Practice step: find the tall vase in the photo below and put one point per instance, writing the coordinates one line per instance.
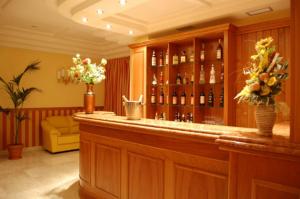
(265, 119)
(89, 99)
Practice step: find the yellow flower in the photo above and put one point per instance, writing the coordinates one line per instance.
(271, 81)
(265, 90)
(255, 86)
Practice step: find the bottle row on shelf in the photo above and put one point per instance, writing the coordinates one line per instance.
(182, 100)
(183, 118)
(163, 59)
(189, 78)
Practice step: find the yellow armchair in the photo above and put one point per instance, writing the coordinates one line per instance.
(60, 133)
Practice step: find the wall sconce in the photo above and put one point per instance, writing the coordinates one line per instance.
(63, 76)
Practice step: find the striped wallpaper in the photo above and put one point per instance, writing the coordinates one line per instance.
(31, 131)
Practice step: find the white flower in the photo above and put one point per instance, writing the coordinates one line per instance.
(77, 55)
(103, 61)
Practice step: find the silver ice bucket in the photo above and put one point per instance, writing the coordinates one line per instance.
(133, 109)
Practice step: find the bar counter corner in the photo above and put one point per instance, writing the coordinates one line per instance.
(153, 159)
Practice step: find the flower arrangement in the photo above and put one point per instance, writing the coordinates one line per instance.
(87, 72)
(267, 73)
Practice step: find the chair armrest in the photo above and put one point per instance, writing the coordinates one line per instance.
(49, 129)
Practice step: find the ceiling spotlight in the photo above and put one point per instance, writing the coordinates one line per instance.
(108, 26)
(100, 12)
(122, 2)
(130, 32)
(84, 19)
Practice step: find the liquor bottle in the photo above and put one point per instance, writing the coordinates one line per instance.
(210, 101)
(167, 99)
(222, 98)
(156, 116)
(167, 57)
(174, 98)
(176, 117)
(191, 117)
(153, 59)
(183, 118)
(222, 73)
(212, 78)
(154, 80)
(183, 98)
(164, 116)
(175, 59)
(161, 78)
(202, 53)
(153, 97)
(192, 78)
(161, 96)
(202, 98)
(202, 75)
(192, 99)
(184, 79)
(188, 117)
(192, 57)
(219, 51)
(161, 61)
(161, 116)
(178, 79)
(183, 57)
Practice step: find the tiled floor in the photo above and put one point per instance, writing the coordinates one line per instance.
(40, 174)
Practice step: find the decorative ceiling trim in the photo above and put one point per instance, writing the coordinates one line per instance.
(4, 3)
(28, 39)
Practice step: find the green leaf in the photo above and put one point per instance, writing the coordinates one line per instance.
(31, 67)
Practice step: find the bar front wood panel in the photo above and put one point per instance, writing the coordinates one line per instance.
(125, 168)
(31, 130)
(246, 39)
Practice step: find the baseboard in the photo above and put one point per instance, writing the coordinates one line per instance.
(26, 149)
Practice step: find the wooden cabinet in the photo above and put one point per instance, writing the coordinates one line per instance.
(163, 72)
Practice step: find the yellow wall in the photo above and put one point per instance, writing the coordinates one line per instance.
(54, 94)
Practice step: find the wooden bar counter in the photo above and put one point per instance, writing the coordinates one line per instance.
(151, 159)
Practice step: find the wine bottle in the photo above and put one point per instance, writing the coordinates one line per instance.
(212, 79)
(153, 96)
(184, 79)
(161, 96)
(161, 78)
(222, 97)
(183, 98)
(167, 99)
(161, 62)
(183, 118)
(156, 116)
(222, 73)
(164, 116)
(161, 116)
(202, 98)
(202, 53)
(183, 57)
(176, 117)
(174, 98)
(191, 117)
(167, 57)
(210, 101)
(175, 59)
(153, 59)
(178, 79)
(188, 117)
(192, 78)
(219, 51)
(192, 99)
(192, 57)
(202, 75)
(154, 80)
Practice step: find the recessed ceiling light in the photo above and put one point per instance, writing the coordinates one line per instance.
(130, 32)
(84, 19)
(100, 12)
(108, 26)
(259, 11)
(122, 2)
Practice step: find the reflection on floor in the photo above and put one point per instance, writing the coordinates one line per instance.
(40, 175)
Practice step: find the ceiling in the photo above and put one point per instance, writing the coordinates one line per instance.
(57, 25)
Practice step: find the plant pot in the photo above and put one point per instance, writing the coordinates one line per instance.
(265, 119)
(15, 151)
(89, 99)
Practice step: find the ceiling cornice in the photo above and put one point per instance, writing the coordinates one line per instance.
(48, 42)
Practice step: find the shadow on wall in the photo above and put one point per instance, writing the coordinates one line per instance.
(68, 190)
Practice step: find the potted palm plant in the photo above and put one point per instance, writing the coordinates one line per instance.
(17, 95)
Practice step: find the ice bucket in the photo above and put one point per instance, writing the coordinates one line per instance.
(133, 109)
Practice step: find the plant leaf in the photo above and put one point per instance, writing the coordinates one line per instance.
(31, 67)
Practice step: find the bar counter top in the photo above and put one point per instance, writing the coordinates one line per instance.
(225, 136)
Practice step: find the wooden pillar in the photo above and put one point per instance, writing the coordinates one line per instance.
(295, 71)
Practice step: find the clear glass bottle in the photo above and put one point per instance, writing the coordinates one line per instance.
(153, 59)
(202, 75)
(212, 78)
(219, 51)
(202, 53)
